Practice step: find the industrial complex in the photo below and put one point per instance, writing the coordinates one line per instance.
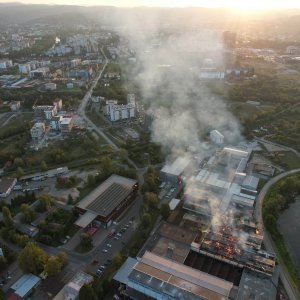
(211, 245)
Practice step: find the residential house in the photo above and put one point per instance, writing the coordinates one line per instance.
(23, 287)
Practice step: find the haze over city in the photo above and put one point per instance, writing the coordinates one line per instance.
(247, 4)
(149, 149)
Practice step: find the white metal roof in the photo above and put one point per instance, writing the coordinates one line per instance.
(177, 167)
(173, 203)
(86, 219)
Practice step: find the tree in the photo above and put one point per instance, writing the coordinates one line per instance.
(7, 218)
(165, 210)
(146, 221)
(32, 259)
(20, 172)
(86, 241)
(3, 263)
(70, 199)
(28, 213)
(53, 266)
(87, 293)
(117, 260)
(63, 258)
(44, 165)
(151, 199)
(44, 203)
(107, 166)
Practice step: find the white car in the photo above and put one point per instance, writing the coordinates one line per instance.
(104, 251)
(109, 245)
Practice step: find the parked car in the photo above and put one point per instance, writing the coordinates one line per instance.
(109, 245)
(104, 250)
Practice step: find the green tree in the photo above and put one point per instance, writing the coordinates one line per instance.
(87, 293)
(70, 199)
(146, 221)
(3, 263)
(53, 266)
(165, 210)
(28, 213)
(62, 258)
(117, 260)
(107, 166)
(44, 165)
(151, 199)
(32, 259)
(44, 203)
(20, 172)
(86, 241)
(7, 218)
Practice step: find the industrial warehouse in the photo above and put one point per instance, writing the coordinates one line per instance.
(211, 235)
(107, 201)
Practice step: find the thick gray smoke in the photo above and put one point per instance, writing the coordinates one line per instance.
(169, 66)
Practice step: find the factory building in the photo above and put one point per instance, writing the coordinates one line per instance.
(222, 182)
(107, 201)
(172, 172)
(161, 278)
(216, 137)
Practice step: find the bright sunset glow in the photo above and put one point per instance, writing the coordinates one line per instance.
(239, 4)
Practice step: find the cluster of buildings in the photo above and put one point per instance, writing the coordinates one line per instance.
(50, 119)
(16, 42)
(5, 64)
(78, 44)
(118, 112)
(211, 246)
(28, 68)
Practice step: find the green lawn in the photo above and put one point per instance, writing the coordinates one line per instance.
(286, 159)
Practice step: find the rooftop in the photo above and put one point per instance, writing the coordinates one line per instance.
(66, 121)
(5, 184)
(177, 167)
(180, 281)
(25, 284)
(107, 196)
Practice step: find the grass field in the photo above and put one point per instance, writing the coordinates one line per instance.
(96, 118)
(286, 159)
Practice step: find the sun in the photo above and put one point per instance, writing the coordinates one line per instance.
(256, 4)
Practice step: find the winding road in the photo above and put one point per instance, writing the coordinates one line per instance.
(284, 275)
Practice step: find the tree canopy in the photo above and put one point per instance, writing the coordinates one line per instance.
(32, 259)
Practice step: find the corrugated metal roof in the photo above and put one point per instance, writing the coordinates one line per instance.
(25, 284)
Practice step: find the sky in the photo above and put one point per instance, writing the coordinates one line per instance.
(240, 4)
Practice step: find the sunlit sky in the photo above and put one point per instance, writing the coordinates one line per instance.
(241, 4)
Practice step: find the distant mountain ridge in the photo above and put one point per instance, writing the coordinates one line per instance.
(68, 15)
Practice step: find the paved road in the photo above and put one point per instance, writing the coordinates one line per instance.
(284, 276)
(82, 106)
(263, 140)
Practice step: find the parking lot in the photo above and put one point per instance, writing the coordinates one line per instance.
(168, 191)
(48, 185)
